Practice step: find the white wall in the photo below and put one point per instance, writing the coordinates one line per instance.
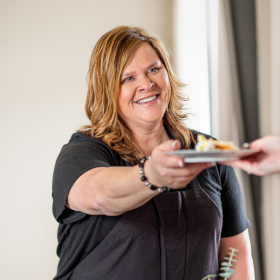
(45, 51)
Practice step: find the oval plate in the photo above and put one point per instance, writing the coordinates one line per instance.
(192, 156)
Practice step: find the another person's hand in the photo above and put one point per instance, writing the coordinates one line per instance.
(266, 162)
(171, 171)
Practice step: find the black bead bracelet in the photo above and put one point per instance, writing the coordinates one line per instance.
(145, 180)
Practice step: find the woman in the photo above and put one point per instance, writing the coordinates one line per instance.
(126, 209)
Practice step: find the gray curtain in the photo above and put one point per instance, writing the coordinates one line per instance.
(241, 29)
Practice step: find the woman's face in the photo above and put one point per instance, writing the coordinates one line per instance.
(145, 89)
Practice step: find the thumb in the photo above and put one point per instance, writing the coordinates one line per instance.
(170, 145)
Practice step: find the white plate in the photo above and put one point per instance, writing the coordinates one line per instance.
(211, 156)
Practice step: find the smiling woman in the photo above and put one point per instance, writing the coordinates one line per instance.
(129, 64)
(127, 210)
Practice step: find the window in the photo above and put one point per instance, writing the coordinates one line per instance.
(195, 48)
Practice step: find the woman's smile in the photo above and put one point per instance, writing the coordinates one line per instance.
(149, 99)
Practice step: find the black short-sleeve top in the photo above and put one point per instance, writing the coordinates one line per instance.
(80, 233)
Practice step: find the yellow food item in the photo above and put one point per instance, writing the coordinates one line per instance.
(204, 144)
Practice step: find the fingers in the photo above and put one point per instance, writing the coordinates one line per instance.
(188, 169)
(168, 160)
(258, 144)
(267, 144)
(171, 160)
(266, 162)
(245, 165)
(179, 177)
(251, 167)
(169, 170)
(171, 145)
(173, 175)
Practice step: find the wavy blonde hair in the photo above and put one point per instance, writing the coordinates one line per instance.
(109, 58)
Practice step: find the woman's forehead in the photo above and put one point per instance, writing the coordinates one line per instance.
(143, 56)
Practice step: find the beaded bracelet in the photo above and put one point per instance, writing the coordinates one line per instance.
(145, 180)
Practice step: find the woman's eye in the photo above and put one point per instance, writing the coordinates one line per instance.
(153, 70)
(127, 79)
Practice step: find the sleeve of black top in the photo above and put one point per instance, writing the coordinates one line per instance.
(235, 220)
(75, 158)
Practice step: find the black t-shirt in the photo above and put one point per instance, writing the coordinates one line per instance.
(79, 233)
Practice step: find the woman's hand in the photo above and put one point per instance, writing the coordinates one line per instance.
(171, 171)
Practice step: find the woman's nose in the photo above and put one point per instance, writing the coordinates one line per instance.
(145, 84)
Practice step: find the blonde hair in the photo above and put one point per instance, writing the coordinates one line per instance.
(108, 60)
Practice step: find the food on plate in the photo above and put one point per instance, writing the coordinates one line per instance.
(204, 144)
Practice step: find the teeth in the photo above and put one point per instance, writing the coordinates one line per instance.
(145, 100)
